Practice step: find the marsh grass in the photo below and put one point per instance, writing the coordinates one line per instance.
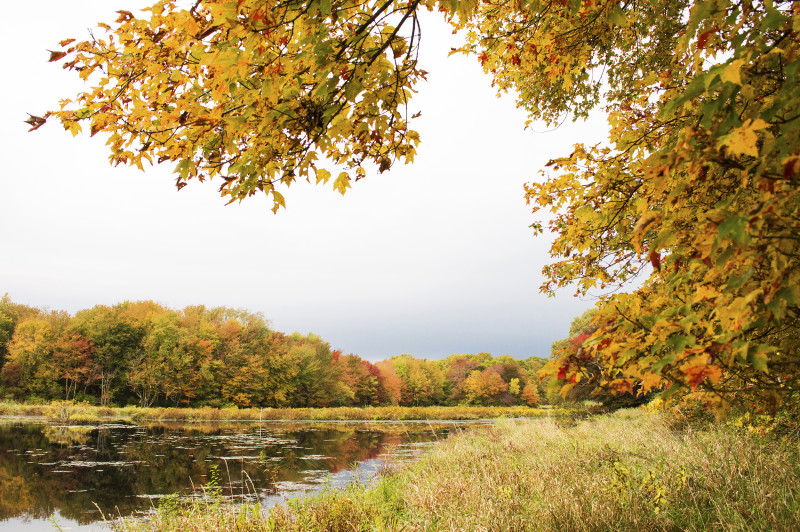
(627, 471)
(67, 411)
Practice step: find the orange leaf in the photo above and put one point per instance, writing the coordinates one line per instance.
(702, 40)
(655, 260)
(124, 16)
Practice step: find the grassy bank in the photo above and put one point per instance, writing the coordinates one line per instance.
(81, 413)
(628, 471)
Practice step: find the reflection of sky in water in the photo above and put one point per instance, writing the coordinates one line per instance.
(62, 471)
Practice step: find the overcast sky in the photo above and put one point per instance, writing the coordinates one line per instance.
(429, 259)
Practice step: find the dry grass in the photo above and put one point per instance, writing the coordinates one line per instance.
(622, 472)
(627, 471)
(66, 410)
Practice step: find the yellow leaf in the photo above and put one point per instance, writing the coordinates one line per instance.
(565, 389)
(72, 126)
(322, 175)
(731, 72)
(342, 183)
(704, 292)
(743, 140)
(278, 200)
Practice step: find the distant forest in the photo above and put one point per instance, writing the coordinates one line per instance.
(143, 353)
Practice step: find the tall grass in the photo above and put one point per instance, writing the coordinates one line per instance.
(626, 471)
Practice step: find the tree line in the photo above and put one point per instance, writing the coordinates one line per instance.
(146, 354)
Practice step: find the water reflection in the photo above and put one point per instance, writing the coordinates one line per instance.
(120, 469)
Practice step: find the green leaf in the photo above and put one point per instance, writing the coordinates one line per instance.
(695, 88)
(353, 89)
(759, 361)
(671, 391)
(182, 167)
(325, 7)
(678, 342)
(773, 20)
(666, 360)
(617, 16)
(734, 227)
(787, 294)
(737, 281)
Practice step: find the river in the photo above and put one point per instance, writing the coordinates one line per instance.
(76, 477)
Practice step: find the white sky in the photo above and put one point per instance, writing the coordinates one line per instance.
(429, 259)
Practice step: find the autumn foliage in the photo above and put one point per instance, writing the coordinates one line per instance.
(695, 191)
(146, 354)
(253, 93)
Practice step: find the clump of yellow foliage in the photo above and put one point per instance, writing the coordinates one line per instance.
(697, 187)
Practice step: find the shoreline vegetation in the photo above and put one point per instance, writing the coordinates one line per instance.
(145, 354)
(636, 469)
(69, 412)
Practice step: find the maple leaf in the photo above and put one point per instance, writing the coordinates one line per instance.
(649, 381)
(744, 140)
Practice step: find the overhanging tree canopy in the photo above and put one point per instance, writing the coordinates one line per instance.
(698, 182)
(253, 92)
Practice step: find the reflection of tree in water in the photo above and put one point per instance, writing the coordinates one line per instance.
(29, 482)
(45, 468)
(101, 443)
(67, 434)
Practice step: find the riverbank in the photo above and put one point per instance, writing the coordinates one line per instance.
(632, 470)
(68, 412)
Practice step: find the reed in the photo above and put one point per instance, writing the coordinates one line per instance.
(64, 410)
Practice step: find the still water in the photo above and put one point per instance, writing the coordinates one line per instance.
(75, 476)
